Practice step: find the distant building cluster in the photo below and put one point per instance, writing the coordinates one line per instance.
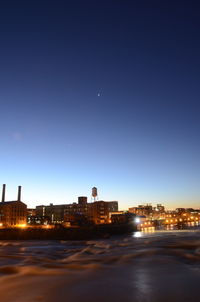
(149, 216)
(149, 211)
(81, 213)
(159, 211)
(15, 213)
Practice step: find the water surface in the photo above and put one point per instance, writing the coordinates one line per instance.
(144, 267)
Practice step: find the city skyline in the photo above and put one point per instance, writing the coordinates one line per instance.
(105, 95)
(90, 198)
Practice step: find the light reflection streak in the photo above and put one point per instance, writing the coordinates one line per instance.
(137, 234)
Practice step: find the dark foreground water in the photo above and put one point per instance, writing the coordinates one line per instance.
(146, 267)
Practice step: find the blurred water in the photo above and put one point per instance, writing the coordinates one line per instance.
(147, 266)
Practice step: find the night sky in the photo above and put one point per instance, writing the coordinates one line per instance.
(100, 93)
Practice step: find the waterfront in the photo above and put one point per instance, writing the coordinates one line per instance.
(149, 266)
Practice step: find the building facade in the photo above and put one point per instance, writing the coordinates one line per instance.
(12, 213)
(96, 212)
(51, 213)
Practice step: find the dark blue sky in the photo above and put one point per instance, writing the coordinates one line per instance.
(102, 93)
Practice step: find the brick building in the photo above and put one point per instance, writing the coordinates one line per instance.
(82, 212)
(96, 212)
(12, 213)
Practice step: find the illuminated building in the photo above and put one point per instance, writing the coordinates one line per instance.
(147, 210)
(99, 212)
(96, 212)
(142, 210)
(51, 213)
(12, 213)
(55, 213)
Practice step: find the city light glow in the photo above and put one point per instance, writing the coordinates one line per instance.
(23, 226)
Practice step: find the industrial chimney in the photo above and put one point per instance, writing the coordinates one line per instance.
(3, 193)
(19, 193)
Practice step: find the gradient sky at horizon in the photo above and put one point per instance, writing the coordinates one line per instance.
(100, 93)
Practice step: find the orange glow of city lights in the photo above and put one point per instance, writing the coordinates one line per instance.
(23, 225)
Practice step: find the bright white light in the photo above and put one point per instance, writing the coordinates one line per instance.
(137, 234)
(137, 220)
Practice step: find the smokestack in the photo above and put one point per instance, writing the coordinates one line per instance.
(3, 193)
(19, 193)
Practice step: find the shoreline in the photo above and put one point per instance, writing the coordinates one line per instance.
(61, 233)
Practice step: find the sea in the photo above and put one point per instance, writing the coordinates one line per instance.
(145, 266)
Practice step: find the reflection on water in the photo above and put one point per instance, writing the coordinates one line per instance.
(185, 226)
(137, 234)
(142, 283)
(148, 230)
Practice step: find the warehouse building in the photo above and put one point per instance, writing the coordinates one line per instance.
(12, 213)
